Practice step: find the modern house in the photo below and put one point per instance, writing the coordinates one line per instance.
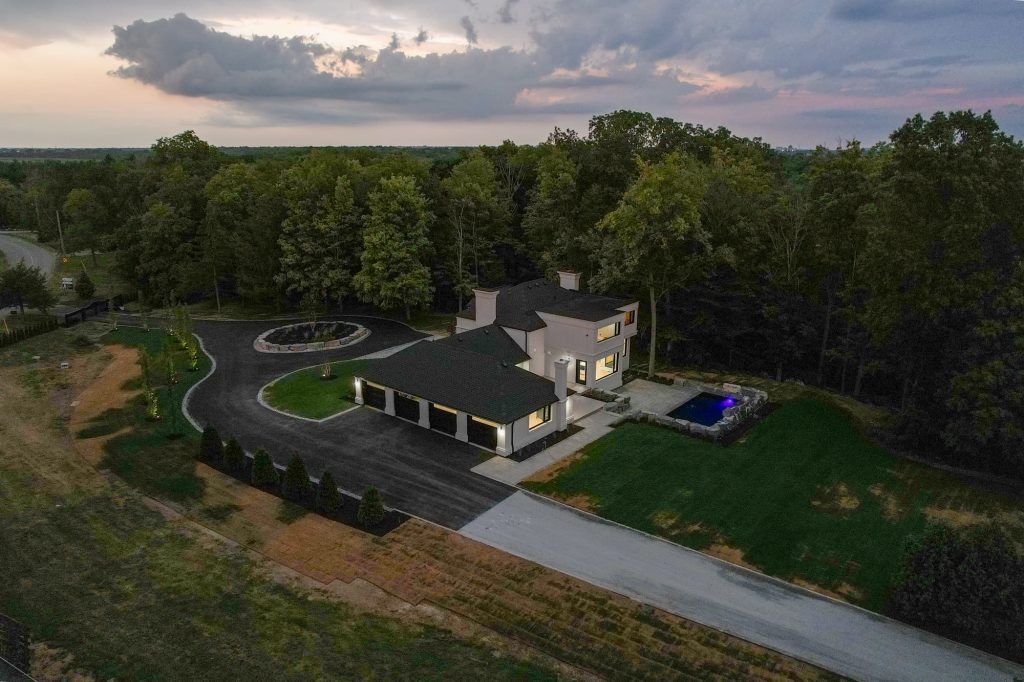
(507, 377)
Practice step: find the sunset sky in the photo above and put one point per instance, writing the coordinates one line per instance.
(463, 72)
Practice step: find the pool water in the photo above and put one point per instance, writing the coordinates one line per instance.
(704, 408)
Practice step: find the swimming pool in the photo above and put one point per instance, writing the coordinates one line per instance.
(704, 408)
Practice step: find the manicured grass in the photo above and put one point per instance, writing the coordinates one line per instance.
(306, 394)
(805, 497)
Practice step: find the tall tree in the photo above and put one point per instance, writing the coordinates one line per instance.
(395, 247)
(28, 286)
(653, 240)
(88, 220)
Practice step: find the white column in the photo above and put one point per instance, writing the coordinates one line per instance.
(561, 381)
(359, 391)
(389, 401)
(461, 426)
(504, 430)
(424, 413)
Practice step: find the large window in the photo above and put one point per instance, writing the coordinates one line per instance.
(608, 331)
(630, 316)
(607, 365)
(541, 416)
(581, 371)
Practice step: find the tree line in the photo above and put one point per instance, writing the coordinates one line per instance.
(893, 273)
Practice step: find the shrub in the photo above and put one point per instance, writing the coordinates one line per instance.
(84, 286)
(295, 486)
(211, 448)
(328, 499)
(371, 508)
(233, 456)
(968, 586)
(264, 475)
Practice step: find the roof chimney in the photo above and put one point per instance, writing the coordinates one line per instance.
(569, 280)
(486, 306)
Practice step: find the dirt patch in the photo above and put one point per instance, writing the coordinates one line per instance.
(835, 499)
(958, 518)
(844, 592)
(107, 392)
(552, 472)
(50, 664)
(734, 555)
(891, 507)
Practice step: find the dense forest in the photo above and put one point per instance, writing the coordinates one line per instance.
(893, 273)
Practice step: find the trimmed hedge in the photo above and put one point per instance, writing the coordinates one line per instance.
(371, 508)
(295, 485)
(328, 499)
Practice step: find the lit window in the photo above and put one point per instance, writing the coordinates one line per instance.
(607, 365)
(581, 371)
(541, 416)
(630, 316)
(608, 331)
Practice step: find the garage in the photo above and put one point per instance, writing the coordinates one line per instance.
(373, 395)
(443, 419)
(482, 432)
(407, 407)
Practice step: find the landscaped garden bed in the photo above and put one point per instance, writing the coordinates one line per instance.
(310, 336)
(307, 393)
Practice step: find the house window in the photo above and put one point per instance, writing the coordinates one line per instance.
(541, 416)
(607, 365)
(581, 371)
(608, 331)
(630, 316)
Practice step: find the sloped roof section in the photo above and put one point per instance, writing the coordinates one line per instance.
(490, 340)
(518, 305)
(476, 383)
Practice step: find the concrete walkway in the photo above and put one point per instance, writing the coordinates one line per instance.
(841, 638)
(503, 469)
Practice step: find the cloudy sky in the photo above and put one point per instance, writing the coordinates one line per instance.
(269, 72)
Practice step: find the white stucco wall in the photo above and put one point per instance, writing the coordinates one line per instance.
(523, 436)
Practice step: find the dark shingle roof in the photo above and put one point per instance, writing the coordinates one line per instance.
(489, 340)
(517, 305)
(475, 383)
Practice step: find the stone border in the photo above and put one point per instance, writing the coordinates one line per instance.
(261, 345)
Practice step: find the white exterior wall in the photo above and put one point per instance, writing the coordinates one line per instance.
(517, 335)
(464, 325)
(536, 346)
(523, 436)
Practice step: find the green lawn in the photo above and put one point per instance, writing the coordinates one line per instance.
(102, 273)
(805, 497)
(306, 394)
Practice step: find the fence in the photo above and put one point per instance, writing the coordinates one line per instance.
(85, 312)
(27, 332)
(14, 643)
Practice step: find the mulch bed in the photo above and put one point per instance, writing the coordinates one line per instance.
(346, 514)
(525, 453)
(308, 332)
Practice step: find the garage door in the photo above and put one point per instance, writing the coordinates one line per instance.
(407, 407)
(484, 434)
(373, 396)
(442, 419)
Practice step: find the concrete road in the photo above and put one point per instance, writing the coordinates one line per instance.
(16, 249)
(417, 471)
(793, 621)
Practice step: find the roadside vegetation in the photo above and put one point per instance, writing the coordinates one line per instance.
(307, 393)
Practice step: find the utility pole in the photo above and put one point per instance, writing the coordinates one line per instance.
(63, 253)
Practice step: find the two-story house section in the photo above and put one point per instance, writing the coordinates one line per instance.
(507, 378)
(559, 322)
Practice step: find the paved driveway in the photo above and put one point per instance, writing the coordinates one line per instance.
(16, 249)
(842, 638)
(418, 471)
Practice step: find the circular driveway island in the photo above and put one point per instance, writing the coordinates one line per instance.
(420, 472)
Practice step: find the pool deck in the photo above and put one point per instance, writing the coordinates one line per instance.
(648, 396)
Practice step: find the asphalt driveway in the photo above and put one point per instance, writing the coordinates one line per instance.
(417, 471)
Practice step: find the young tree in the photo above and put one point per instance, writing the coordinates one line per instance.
(371, 508)
(653, 239)
(328, 499)
(264, 473)
(84, 287)
(395, 247)
(28, 286)
(211, 448)
(295, 485)
(234, 456)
